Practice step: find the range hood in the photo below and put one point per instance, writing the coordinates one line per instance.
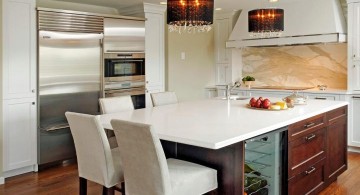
(305, 22)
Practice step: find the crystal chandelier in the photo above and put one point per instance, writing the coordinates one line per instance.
(190, 15)
(266, 23)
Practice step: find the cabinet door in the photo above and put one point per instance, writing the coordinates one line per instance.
(354, 126)
(222, 32)
(354, 10)
(154, 49)
(336, 143)
(356, 75)
(19, 49)
(19, 133)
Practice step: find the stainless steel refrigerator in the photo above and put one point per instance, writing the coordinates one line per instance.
(69, 79)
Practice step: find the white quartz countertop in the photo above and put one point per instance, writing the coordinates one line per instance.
(218, 123)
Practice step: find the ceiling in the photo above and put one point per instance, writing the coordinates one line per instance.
(224, 4)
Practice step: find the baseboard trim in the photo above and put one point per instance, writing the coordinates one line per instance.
(19, 171)
(2, 180)
(353, 149)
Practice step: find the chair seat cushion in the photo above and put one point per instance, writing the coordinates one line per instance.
(190, 178)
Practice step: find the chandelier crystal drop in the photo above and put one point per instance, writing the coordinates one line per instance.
(266, 23)
(190, 15)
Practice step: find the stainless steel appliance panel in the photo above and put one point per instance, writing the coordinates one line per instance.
(69, 80)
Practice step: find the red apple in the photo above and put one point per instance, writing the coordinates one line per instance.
(266, 103)
(261, 99)
(252, 102)
(258, 103)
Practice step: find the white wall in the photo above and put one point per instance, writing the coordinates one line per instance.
(189, 77)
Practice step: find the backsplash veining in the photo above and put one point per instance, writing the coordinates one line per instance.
(305, 65)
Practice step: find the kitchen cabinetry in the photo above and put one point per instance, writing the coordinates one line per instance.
(19, 133)
(228, 61)
(317, 151)
(19, 87)
(19, 64)
(354, 122)
(320, 96)
(354, 45)
(154, 49)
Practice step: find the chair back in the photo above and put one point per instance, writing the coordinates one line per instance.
(94, 158)
(144, 163)
(164, 98)
(116, 104)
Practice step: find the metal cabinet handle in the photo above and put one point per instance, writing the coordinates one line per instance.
(310, 137)
(33, 91)
(309, 125)
(312, 169)
(147, 82)
(356, 97)
(33, 103)
(320, 98)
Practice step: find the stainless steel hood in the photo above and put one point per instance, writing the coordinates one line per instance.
(305, 22)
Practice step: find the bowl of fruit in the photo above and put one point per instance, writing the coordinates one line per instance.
(265, 104)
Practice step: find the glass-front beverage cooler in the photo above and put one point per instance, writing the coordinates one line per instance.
(266, 164)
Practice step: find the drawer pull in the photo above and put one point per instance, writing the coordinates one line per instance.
(321, 98)
(309, 125)
(310, 137)
(356, 97)
(312, 169)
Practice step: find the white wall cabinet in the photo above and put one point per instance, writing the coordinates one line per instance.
(19, 52)
(354, 122)
(20, 133)
(19, 87)
(228, 61)
(354, 45)
(154, 49)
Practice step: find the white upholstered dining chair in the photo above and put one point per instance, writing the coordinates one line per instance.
(96, 161)
(163, 98)
(113, 105)
(146, 169)
(116, 104)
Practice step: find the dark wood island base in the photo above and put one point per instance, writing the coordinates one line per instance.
(316, 156)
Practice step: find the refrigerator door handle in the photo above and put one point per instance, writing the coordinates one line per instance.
(56, 127)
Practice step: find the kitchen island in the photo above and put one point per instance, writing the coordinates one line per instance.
(213, 133)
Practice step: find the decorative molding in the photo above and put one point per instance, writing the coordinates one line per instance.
(137, 11)
(153, 8)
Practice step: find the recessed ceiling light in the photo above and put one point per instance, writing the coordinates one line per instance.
(218, 9)
(273, 0)
(163, 2)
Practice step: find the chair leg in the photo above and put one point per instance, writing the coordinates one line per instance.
(83, 186)
(108, 191)
(123, 188)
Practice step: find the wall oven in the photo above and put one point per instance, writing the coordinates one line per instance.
(124, 74)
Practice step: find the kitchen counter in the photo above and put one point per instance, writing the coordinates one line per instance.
(216, 123)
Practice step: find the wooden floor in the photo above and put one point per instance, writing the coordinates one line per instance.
(64, 180)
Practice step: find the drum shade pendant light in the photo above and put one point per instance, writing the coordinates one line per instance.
(190, 15)
(266, 23)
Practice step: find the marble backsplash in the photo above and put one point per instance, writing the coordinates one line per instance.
(303, 65)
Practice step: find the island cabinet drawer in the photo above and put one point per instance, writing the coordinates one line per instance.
(310, 181)
(305, 151)
(336, 115)
(305, 127)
